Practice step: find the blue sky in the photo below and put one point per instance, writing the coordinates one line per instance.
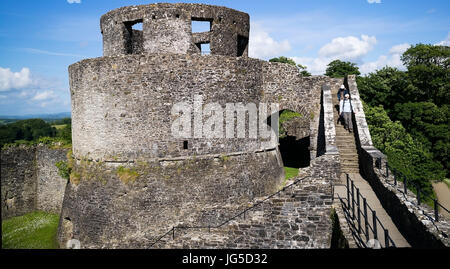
(40, 39)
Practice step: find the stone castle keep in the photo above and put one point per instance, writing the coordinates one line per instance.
(121, 114)
(134, 185)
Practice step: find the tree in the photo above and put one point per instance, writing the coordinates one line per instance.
(340, 69)
(283, 59)
(405, 153)
(303, 70)
(386, 87)
(428, 70)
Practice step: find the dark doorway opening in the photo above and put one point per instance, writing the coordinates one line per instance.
(242, 45)
(295, 153)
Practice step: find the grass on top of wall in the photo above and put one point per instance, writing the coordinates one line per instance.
(36, 230)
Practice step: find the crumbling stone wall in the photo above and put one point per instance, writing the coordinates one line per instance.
(30, 180)
(50, 185)
(167, 29)
(18, 181)
(121, 123)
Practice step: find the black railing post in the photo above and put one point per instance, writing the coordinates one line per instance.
(395, 177)
(405, 182)
(353, 201)
(387, 170)
(366, 219)
(418, 194)
(173, 233)
(358, 208)
(348, 192)
(386, 238)
(374, 219)
(436, 210)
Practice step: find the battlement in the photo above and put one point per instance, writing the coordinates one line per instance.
(167, 28)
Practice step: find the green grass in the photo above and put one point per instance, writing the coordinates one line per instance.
(290, 172)
(447, 181)
(59, 126)
(36, 230)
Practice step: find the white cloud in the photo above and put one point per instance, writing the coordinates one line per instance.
(74, 1)
(14, 80)
(348, 48)
(45, 95)
(263, 46)
(315, 66)
(374, 1)
(392, 60)
(445, 42)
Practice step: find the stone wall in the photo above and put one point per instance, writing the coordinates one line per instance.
(50, 185)
(297, 217)
(167, 29)
(30, 180)
(129, 205)
(18, 181)
(415, 222)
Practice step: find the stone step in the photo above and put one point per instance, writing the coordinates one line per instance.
(349, 159)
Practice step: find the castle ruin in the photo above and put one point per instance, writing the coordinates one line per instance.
(134, 185)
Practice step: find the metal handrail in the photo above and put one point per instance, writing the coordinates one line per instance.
(419, 196)
(388, 242)
(230, 219)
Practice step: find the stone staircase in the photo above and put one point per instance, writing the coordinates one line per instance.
(345, 142)
(294, 218)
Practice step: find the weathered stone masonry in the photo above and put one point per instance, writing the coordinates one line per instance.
(30, 180)
(132, 181)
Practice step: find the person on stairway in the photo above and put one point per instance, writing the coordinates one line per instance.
(342, 92)
(345, 111)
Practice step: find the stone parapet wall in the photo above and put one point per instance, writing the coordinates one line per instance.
(415, 222)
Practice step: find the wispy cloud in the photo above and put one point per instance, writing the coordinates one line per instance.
(74, 1)
(374, 1)
(445, 42)
(38, 51)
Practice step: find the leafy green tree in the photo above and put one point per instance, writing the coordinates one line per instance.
(283, 59)
(406, 154)
(303, 70)
(66, 133)
(340, 69)
(428, 70)
(429, 124)
(387, 87)
(27, 130)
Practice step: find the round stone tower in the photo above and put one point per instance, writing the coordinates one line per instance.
(131, 179)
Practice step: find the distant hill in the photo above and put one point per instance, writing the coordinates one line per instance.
(46, 117)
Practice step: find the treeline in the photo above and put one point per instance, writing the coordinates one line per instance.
(407, 111)
(33, 131)
(419, 99)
